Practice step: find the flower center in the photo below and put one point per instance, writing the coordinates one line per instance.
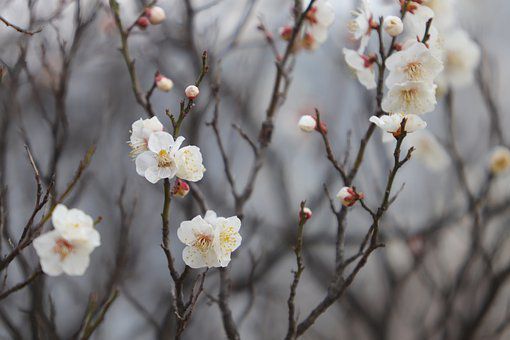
(353, 26)
(414, 70)
(408, 95)
(63, 248)
(227, 239)
(137, 148)
(203, 242)
(164, 160)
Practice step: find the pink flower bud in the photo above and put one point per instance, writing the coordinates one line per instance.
(163, 83)
(181, 188)
(307, 214)
(143, 22)
(192, 92)
(286, 32)
(155, 14)
(348, 196)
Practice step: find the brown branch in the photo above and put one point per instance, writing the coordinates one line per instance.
(20, 285)
(17, 28)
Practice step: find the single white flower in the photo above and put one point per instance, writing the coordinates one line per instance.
(210, 240)
(500, 160)
(393, 25)
(428, 150)
(307, 123)
(163, 83)
(415, 63)
(416, 18)
(363, 66)
(462, 56)
(159, 161)
(155, 14)
(189, 163)
(412, 97)
(140, 133)
(360, 26)
(74, 224)
(67, 248)
(191, 91)
(393, 123)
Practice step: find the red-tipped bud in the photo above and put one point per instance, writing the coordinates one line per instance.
(348, 196)
(181, 188)
(306, 213)
(192, 92)
(163, 83)
(286, 32)
(156, 15)
(322, 127)
(143, 22)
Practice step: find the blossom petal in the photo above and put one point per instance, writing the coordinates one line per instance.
(160, 141)
(145, 161)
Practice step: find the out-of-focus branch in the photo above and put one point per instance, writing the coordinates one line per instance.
(17, 28)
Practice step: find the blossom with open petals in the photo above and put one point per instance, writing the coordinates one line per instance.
(317, 21)
(393, 123)
(415, 63)
(363, 66)
(140, 133)
(428, 150)
(412, 97)
(209, 240)
(189, 163)
(462, 56)
(360, 26)
(67, 248)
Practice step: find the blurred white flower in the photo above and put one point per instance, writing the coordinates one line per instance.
(392, 123)
(210, 240)
(159, 161)
(163, 83)
(500, 160)
(189, 163)
(319, 18)
(363, 66)
(412, 97)
(360, 26)
(428, 150)
(462, 56)
(415, 63)
(393, 25)
(191, 92)
(416, 19)
(155, 14)
(307, 123)
(67, 248)
(444, 11)
(348, 196)
(140, 133)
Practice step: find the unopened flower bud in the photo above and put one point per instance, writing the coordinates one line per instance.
(163, 83)
(307, 123)
(393, 25)
(192, 92)
(348, 196)
(143, 22)
(306, 213)
(181, 188)
(155, 14)
(286, 32)
(500, 160)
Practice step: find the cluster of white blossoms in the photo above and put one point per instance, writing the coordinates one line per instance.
(209, 240)
(67, 248)
(315, 27)
(158, 156)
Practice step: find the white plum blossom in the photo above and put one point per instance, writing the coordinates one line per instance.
(307, 123)
(500, 160)
(140, 133)
(415, 63)
(416, 18)
(360, 26)
(444, 12)
(363, 66)
(67, 248)
(393, 123)
(319, 18)
(393, 25)
(412, 97)
(462, 56)
(428, 150)
(158, 161)
(189, 163)
(155, 14)
(210, 240)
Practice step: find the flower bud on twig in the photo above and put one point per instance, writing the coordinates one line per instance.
(156, 15)
(163, 83)
(348, 196)
(192, 92)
